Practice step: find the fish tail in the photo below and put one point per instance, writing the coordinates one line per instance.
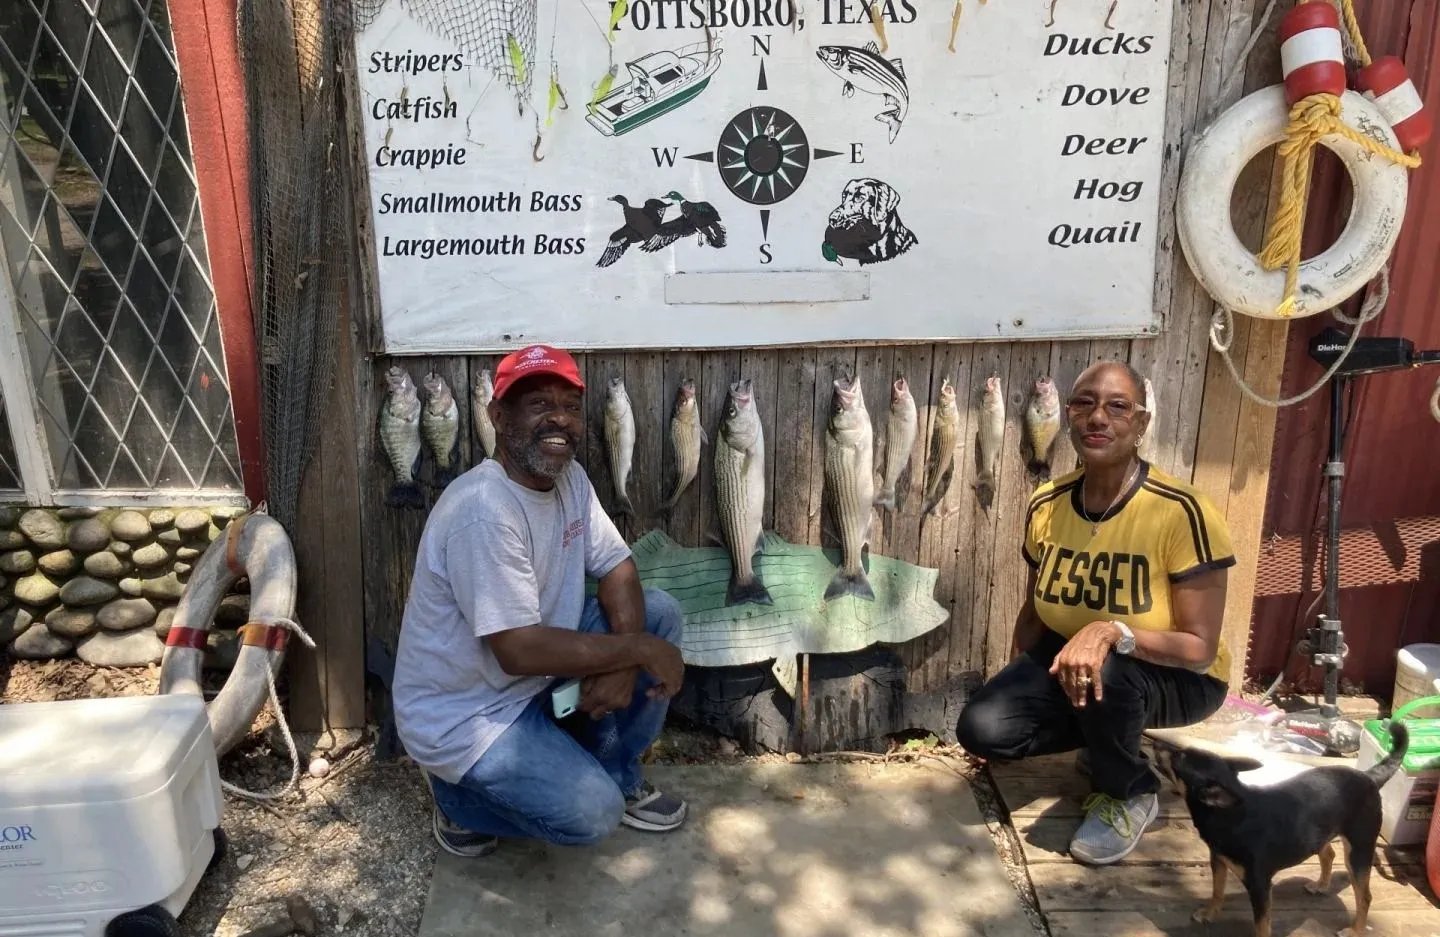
(750, 590)
(891, 118)
(444, 476)
(850, 583)
(405, 495)
(623, 505)
(1039, 468)
(674, 498)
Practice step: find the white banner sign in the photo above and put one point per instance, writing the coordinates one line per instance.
(762, 173)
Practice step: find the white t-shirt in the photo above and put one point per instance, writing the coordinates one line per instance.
(494, 555)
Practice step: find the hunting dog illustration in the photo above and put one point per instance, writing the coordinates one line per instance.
(865, 226)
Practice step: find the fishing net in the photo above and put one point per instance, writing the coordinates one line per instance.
(297, 199)
(498, 35)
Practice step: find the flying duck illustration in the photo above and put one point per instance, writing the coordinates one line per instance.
(697, 218)
(641, 224)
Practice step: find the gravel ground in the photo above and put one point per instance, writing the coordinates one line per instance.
(353, 848)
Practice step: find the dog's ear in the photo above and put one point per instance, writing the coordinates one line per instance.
(886, 198)
(1239, 763)
(1217, 795)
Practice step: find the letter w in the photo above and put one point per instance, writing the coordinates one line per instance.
(664, 156)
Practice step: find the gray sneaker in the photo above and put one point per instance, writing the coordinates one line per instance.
(653, 811)
(458, 841)
(1112, 828)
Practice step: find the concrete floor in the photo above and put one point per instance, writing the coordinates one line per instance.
(769, 851)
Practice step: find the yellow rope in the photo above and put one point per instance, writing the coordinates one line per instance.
(1352, 26)
(1310, 119)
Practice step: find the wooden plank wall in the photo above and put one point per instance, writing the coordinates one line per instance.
(976, 550)
(1205, 430)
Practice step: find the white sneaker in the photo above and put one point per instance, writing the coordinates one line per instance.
(1112, 828)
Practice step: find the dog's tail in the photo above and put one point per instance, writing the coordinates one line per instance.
(1399, 742)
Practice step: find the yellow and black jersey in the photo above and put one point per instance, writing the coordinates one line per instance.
(1161, 532)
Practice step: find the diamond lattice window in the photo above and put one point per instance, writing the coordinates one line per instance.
(103, 248)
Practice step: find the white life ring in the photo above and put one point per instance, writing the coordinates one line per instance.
(257, 547)
(1226, 267)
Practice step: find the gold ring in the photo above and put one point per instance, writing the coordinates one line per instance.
(1085, 680)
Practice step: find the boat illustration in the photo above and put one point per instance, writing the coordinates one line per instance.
(659, 83)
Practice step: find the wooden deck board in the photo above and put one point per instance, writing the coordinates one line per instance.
(1154, 890)
(1324, 920)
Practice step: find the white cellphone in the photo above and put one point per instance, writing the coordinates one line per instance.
(565, 698)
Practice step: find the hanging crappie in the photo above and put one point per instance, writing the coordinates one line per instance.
(1042, 425)
(400, 438)
(440, 428)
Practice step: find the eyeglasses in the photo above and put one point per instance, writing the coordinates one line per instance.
(1117, 408)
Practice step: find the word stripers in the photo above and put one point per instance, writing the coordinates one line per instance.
(411, 62)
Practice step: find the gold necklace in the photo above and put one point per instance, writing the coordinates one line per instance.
(1085, 512)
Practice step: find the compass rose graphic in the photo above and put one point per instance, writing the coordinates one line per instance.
(763, 155)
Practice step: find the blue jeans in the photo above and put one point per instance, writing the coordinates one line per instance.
(539, 781)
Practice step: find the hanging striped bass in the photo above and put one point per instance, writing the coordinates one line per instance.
(850, 485)
(900, 435)
(740, 492)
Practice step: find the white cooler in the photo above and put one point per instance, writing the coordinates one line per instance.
(109, 815)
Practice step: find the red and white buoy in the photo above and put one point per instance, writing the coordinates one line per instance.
(1386, 82)
(1312, 53)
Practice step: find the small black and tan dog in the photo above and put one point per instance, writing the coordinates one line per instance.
(1256, 832)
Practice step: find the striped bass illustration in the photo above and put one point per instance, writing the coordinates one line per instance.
(740, 492)
(850, 485)
(869, 71)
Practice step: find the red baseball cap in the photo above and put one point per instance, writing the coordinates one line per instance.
(533, 360)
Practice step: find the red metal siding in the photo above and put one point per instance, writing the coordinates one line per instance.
(1393, 449)
(212, 80)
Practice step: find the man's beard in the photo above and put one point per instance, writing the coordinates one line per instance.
(525, 452)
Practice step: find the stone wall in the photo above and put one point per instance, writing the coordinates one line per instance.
(103, 583)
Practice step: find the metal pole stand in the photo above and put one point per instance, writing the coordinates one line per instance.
(1324, 642)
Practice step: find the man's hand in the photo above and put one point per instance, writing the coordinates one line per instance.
(1078, 664)
(662, 661)
(604, 693)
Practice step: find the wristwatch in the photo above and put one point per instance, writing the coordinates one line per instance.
(1126, 644)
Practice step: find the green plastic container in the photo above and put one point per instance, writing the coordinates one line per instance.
(1408, 798)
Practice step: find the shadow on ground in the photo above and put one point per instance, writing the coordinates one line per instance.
(803, 850)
